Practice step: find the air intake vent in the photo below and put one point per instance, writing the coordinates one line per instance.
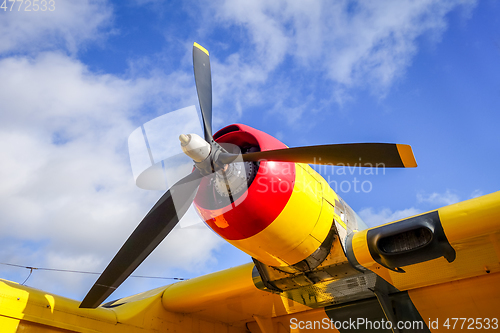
(405, 241)
(410, 241)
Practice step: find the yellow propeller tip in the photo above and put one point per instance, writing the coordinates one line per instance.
(201, 48)
(407, 157)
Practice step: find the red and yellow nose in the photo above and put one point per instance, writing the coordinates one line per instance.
(282, 217)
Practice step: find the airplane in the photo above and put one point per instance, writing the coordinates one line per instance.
(316, 266)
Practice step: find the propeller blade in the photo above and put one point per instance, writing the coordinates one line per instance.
(203, 79)
(155, 226)
(381, 155)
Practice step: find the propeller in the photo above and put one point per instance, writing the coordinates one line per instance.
(167, 212)
(203, 80)
(154, 227)
(210, 157)
(377, 155)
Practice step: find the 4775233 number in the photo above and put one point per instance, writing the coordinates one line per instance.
(28, 5)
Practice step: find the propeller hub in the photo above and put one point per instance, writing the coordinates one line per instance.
(195, 147)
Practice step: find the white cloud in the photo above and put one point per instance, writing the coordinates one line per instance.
(70, 24)
(68, 195)
(352, 44)
(373, 217)
(438, 199)
(425, 202)
(476, 193)
(68, 198)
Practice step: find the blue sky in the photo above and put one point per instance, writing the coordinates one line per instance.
(75, 83)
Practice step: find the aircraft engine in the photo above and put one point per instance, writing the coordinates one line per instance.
(277, 212)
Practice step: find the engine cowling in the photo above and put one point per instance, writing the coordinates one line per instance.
(282, 214)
